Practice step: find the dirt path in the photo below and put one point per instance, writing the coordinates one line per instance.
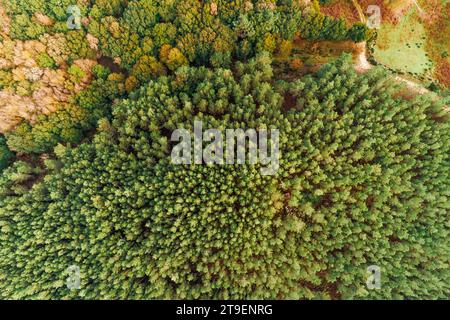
(358, 8)
(418, 7)
(362, 65)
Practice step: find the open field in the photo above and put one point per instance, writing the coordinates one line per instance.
(402, 47)
(436, 19)
(413, 39)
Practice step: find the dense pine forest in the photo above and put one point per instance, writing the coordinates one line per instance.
(88, 109)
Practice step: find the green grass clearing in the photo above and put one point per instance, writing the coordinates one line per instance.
(402, 47)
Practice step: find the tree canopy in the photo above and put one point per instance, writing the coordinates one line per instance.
(363, 180)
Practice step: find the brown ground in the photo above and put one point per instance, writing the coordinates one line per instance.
(342, 9)
(391, 10)
(437, 24)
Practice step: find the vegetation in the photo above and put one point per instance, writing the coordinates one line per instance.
(404, 50)
(365, 184)
(147, 40)
(363, 177)
(5, 154)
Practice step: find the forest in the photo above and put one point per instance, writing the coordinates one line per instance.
(87, 180)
